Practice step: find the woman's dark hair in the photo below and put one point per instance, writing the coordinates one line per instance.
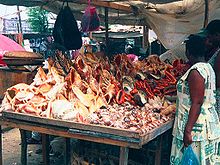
(195, 45)
(213, 27)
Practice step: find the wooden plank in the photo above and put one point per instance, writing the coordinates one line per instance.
(23, 147)
(104, 135)
(45, 149)
(123, 156)
(62, 132)
(113, 5)
(156, 132)
(69, 124)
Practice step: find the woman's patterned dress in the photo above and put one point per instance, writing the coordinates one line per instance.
(206, 130)
(212, 62)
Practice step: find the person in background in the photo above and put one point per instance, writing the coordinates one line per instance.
(196, 121)
(212, 32)
(131, 53)
(43, 47)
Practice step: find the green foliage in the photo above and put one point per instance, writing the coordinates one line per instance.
(38, 19)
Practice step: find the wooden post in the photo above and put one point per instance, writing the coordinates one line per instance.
(1, 160)
(123, 155)
(158, 151)
(206, 18)
(145, 42)
(106, 31)
(67, 152)
(45, 149)
(19, 19)
(23, 147)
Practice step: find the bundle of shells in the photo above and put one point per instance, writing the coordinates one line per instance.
(90, 87)
(138, 119)
(147, 78)
(70, 90)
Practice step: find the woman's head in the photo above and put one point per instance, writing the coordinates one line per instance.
(213, 33)
(195, 48)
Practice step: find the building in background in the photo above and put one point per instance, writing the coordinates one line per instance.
(10, 26)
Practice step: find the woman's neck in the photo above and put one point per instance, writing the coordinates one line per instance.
(211, 52)
(199, 59)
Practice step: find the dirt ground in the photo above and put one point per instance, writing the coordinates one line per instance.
(12, 148)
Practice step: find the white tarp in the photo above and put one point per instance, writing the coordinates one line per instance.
(173, 22)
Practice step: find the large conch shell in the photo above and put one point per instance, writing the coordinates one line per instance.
(40, 77)
(86, 99)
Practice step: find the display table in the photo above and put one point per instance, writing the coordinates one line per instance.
(125, 139)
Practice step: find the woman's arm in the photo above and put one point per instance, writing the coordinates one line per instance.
(217, 70)
(197, 89)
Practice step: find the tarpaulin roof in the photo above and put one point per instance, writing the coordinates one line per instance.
(172, 20)
(120, 11)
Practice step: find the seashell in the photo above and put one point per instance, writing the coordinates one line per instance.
(54, 91)
(58, 79)
(73, 78)
(86, 99)
(140, 76)
(40, 77)
(60, 107)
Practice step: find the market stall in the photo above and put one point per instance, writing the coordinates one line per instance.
(117, 102)
(121, 102)
(120, 137)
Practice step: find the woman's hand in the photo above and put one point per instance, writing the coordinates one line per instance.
(187, 138)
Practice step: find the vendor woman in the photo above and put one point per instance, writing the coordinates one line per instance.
(196, 122)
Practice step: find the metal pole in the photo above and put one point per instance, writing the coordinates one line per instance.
(206, 18)
(106, 30)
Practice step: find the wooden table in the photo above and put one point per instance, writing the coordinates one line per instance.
(9, 77)
(125, 139)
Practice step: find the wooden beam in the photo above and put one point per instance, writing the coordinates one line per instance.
(46, 149)
(206, 18)
(1, 159)
(145, 41)
(113, 5)
(23, 147)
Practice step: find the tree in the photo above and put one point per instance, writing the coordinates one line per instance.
(38, 19)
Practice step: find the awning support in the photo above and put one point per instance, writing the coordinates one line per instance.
(106, 30)
(206, 18)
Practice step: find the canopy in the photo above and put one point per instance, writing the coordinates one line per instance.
(172, 20)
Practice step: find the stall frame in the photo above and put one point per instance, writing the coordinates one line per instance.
(123, 138)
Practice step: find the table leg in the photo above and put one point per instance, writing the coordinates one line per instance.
(23, 147)
(123, 155)
(1, 163)
(67, 151)
(158, 152)
(45, 149)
